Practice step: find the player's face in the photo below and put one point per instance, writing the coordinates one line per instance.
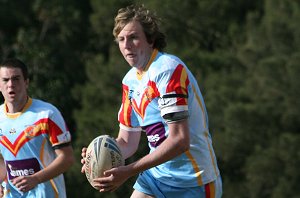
(134, 46)
(13, 86)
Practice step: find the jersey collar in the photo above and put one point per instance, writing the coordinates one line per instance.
(15, 115)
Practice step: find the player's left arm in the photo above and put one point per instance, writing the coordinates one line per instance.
(61, 143)
(177, 142)
(62, 163)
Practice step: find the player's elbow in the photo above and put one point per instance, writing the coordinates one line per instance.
(69, 160)
(68, 157)
(183, 145)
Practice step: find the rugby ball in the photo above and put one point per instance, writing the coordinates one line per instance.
(102, 154)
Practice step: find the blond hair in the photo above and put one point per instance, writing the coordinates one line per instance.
(148, 20)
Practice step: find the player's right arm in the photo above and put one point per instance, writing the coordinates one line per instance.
(128, 141)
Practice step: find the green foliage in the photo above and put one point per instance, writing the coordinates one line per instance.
(47, 37)
(261, 123)
(277, 167)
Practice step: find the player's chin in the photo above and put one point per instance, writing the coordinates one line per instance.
(131, 62)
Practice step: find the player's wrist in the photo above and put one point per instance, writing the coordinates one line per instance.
(38, 179)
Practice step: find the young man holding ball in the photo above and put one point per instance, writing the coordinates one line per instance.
(162, 98)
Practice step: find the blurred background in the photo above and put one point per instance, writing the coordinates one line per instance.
(244, 54)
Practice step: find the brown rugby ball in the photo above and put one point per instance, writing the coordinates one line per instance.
(102, 154)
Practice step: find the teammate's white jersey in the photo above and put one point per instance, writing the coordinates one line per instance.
(27, 140)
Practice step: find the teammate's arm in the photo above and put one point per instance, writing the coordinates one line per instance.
(62, 162)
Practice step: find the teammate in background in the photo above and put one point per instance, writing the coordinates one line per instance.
(35, 144)
(160, 97)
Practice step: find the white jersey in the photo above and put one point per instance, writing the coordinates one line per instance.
(167, 86)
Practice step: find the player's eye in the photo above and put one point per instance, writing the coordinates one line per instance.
(15, 78)
(133, 37)
(5, 79)
(120, 39)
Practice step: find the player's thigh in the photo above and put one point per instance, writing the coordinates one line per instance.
(138, 194)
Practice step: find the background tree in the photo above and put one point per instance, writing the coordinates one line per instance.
(262, 126)
(48, 37)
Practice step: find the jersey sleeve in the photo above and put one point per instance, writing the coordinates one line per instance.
(126, 115)
(58, 130)
(173, 88)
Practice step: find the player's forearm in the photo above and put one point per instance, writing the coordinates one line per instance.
(128, 142)
(127, 151)
(60, 165)
(177, 142)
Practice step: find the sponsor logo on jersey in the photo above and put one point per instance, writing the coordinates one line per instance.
(130, 95)
(29, 131)
(156, 133)
(24, 167)
(153, 138)
(12, 131)
(150, 94)
(20, 172)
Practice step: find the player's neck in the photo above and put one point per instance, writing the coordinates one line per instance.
(15, 107)
(148, 62)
